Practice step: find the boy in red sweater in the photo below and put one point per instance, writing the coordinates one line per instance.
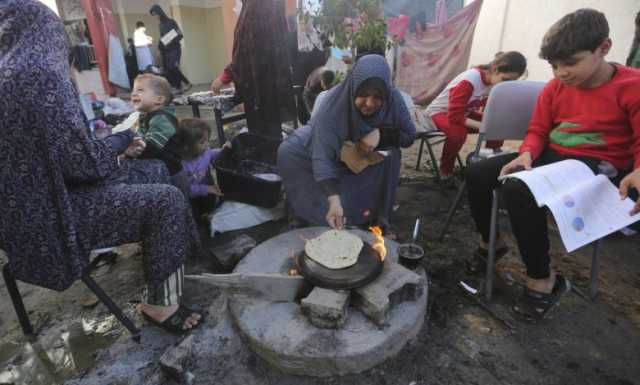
(589, 112)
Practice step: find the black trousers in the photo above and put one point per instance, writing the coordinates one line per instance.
(528, 221)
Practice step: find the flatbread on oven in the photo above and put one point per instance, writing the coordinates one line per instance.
(334, 249)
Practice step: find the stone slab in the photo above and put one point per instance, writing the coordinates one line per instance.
(325, 308)
(396, 284)
(284, 337)
(230, 253)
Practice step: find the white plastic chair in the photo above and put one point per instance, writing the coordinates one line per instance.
(506, 117)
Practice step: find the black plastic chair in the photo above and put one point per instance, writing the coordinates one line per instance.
(23, 317)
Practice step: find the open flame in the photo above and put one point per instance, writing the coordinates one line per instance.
(378, 244)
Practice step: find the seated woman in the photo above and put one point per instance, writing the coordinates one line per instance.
(364, 109)
(58, 186)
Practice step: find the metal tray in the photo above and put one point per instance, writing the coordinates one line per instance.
(367, 268)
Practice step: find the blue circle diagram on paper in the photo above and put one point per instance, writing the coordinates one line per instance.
(568, 201)
(578, 224)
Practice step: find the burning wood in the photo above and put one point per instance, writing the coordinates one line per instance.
(378, 244)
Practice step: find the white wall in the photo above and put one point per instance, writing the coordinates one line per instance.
(519, 25)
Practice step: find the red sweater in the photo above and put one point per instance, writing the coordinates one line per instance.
(601, 122)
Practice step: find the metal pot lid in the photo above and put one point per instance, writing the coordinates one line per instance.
(366, 269)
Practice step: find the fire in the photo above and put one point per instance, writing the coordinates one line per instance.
(378, 244)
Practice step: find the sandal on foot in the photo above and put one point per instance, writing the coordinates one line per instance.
(534, 306)
(477, 262)
(175, 322)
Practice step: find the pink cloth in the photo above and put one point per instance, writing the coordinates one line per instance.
(429, 60)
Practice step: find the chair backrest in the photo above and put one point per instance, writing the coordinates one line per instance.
(508, 110)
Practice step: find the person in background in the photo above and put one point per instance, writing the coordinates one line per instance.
(143, 42)
(131, 61)
(633, 60)
(320, 79)
(260, 68)
(589, 112)
(171, 52)
(456, 110)
(61, 205)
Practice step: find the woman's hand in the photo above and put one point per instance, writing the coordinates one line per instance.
(216, 86)
(629, 181)
(214, 190)
(335, 215)
(136, 148)
(369, 142)
(523, 161)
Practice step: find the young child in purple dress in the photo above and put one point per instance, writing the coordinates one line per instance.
(197, 158)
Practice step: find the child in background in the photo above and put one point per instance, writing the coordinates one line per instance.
(319, 80)
(193, 135)
(157, 127)
(455, 111)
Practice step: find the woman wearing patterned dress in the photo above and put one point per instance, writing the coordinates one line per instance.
(62, 191)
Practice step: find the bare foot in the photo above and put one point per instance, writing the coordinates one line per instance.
(542, 285)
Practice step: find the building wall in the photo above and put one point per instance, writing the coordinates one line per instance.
(507, 25)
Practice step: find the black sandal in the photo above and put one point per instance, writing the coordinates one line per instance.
(477, 262)
(175, 322)
(534, 306)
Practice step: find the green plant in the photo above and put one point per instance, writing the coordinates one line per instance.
(356, 24)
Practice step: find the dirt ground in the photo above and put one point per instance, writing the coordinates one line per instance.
(583, 342)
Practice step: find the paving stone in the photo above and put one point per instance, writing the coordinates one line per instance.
(173, 359)
(230, 253)
(396, 284)
(325, 308)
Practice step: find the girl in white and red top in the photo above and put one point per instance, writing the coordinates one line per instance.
(456, 111)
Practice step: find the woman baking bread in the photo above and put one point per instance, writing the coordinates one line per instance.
(332, 170)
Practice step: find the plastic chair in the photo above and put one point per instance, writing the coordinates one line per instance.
(506, 117)
(491, 257)
(431, 139)
(23, 317)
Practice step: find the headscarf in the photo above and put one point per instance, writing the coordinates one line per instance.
(43, 145)
(338, 120)
(260, 63)
(339, 113)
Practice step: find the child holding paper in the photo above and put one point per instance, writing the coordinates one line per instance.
(589, 112)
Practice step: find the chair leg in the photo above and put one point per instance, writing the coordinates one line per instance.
(434, 161)
(452, 210)
(420, 153)
(491, 257)
(16, 299)
(595, 268)
(113, 308)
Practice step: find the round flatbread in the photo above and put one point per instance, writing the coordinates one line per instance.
(334, 249)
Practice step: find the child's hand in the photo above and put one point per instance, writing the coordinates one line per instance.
(631, 181)
(523, 161)
(136, 148)
(215, 190)
(227, 144)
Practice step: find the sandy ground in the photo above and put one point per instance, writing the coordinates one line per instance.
(583, 342)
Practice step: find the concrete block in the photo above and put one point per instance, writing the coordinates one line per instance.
(326, 309)
(230, 253)
(396, 284)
